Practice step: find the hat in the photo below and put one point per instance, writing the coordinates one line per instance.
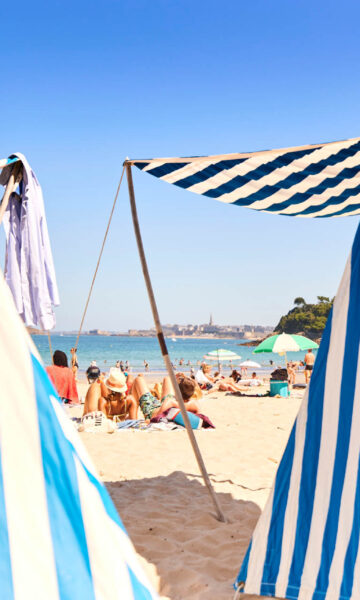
(93, 363)
(116, 381)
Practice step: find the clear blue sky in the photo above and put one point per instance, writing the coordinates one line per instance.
(85, 84)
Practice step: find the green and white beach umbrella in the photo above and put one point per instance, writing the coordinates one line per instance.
(221, 354)
(285, 342)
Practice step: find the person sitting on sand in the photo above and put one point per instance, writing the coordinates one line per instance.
(63, 378)
(152, 406)
(110, 397)
(235, 375)
(202, 377)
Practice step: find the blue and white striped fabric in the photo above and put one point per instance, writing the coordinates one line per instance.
(310, 181)
(306, 543)
(60, 535)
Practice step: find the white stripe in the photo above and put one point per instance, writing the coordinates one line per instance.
(328, 432)
(73, 437)
(296, 166)
(332, 171)
(228, 174)
(346, 514)
(258, 549)
(331, 209)
(110, 549)
(291, 513)
(153, 165)
(355, 594)
(31, 550)
(188, 170)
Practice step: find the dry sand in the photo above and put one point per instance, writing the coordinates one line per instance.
(155, 484)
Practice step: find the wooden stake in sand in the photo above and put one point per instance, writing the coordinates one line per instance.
(219, 514)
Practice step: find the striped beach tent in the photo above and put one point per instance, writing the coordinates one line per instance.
(61, 537)
(306, 542)
(321, 180)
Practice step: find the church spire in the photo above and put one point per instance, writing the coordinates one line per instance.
(211, 319)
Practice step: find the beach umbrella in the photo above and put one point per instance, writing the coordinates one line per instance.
(61, 536)
(251, 364)
(221, 355)
(285, 342)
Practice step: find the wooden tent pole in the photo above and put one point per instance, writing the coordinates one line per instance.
(219, 514)
(13, 182)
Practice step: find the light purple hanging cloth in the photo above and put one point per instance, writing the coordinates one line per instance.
(29, 266)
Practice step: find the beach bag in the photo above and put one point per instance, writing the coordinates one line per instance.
(175, 415)
(279, 375)
(95, 422)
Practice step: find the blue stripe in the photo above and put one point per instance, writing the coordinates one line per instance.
(353, 547)
(141, 165)
(295, 178)
(208, 172)
(140, 591)
(166, 169)
(342, 212)
(309, 463)
(275, 535)
(6, 580)
(242, 576)
(348, 383)
(327, 184)
(64, 508)
(261, 171)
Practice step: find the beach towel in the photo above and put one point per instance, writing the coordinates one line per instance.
(206, 423)
(29, 267)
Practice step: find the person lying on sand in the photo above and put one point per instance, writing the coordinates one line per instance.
(111, 396)
(223, 384)
(253, 382)
(152, 406)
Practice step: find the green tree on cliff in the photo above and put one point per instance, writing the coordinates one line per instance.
(309, 319)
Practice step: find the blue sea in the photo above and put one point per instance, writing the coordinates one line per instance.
(107, 350)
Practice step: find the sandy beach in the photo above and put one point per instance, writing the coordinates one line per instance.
(155, 484)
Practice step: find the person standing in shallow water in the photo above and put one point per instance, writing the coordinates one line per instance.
(74, 362)
(309, 364)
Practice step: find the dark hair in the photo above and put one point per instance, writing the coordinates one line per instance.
(60, 359)
(187, 387)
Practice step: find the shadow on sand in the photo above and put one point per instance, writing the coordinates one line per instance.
(170, 520)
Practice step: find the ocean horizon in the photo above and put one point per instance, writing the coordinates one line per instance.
(106, 350)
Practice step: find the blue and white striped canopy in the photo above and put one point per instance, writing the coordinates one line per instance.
(60, 535)
(311, 181)
(306, 543)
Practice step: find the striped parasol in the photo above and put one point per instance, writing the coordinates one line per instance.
(61, 536)
(222, 355)
(321, 180)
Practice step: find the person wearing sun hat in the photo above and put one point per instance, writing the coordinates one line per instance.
(110, 397)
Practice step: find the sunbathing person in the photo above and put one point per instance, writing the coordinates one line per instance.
(63, 378)
(110, 397)
(224, 384)
(253, 382)
(152, 406)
